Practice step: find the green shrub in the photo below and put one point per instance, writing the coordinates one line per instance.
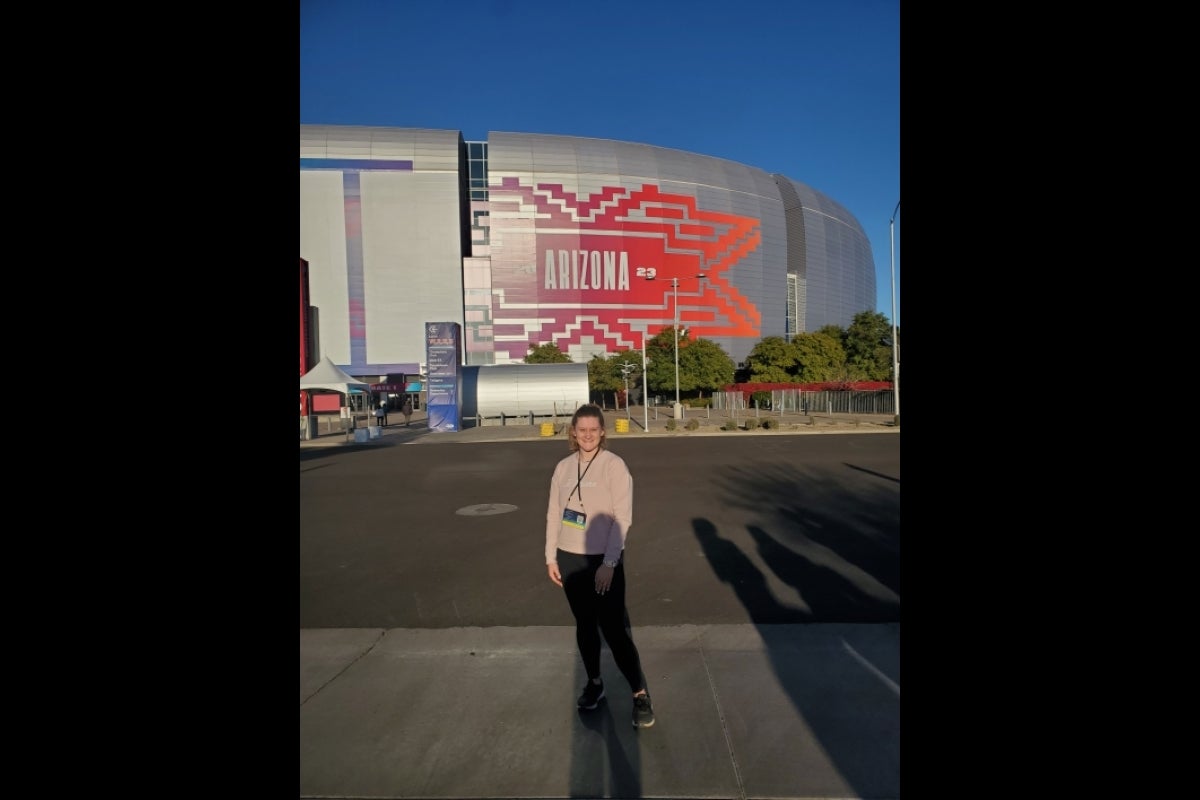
(770, 423)
(692, 424)
(671, 424)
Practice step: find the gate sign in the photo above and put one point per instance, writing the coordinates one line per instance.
(443, 355)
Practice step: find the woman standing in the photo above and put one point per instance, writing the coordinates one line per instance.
(588, 518)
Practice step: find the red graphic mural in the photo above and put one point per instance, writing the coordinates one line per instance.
(566, 267)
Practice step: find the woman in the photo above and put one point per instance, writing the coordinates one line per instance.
(587, 520)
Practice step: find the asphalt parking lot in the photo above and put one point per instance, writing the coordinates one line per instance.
(438, 661)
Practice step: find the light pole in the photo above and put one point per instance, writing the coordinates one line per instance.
(625, 370)
(895, 341)
(649, 274)
(645, 391)
(675, 336)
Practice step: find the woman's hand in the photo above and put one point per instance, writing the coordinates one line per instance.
(555, 575)
(604, 578)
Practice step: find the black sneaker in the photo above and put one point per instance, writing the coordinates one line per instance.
(591, 697)
(643, 712)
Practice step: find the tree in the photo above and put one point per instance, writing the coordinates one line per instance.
(605, 373)
(703, 364)
(600, 376)
(835, 332)
(868, 347)
(634, 361)
(773, 360)
(547, 354)
(819, 357)
(660, 373)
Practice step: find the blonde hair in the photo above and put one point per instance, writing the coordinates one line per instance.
(586, 410)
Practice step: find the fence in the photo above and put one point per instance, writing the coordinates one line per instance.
(822, 402)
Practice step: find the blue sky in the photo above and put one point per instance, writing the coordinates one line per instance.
(809, 89)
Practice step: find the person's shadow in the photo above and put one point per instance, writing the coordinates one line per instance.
(864, 749)
(603, 762)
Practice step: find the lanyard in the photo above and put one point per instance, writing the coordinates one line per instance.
(579, 479)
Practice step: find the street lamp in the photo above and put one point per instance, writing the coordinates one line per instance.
(645, 391)
(895, 341)
(649, 274)
(625, 370)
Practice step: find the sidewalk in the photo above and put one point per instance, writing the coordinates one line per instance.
(520, 428)
(742, 711)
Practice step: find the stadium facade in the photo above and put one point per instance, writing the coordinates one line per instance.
(527, 239)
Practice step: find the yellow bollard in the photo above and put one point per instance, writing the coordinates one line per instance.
(622, 425)
(547, 429)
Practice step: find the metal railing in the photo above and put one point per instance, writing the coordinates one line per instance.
(821, 402)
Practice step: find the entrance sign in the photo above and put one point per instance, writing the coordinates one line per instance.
(443, 356)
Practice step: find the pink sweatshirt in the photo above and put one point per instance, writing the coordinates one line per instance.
(607, 499)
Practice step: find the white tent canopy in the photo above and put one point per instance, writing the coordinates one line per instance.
(327, 375)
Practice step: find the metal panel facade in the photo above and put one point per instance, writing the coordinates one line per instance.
(568, 239)
(840, 268)
(557, 245)
(380, 212)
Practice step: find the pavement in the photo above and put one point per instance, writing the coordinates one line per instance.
(743, 711)
(639, 423)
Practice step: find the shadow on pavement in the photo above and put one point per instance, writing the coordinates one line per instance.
(844, 567)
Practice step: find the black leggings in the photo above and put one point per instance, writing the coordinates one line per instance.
(600, 613)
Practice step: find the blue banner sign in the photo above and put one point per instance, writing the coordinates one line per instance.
(443, 356)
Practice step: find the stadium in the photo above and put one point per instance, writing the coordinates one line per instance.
(526, 239)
